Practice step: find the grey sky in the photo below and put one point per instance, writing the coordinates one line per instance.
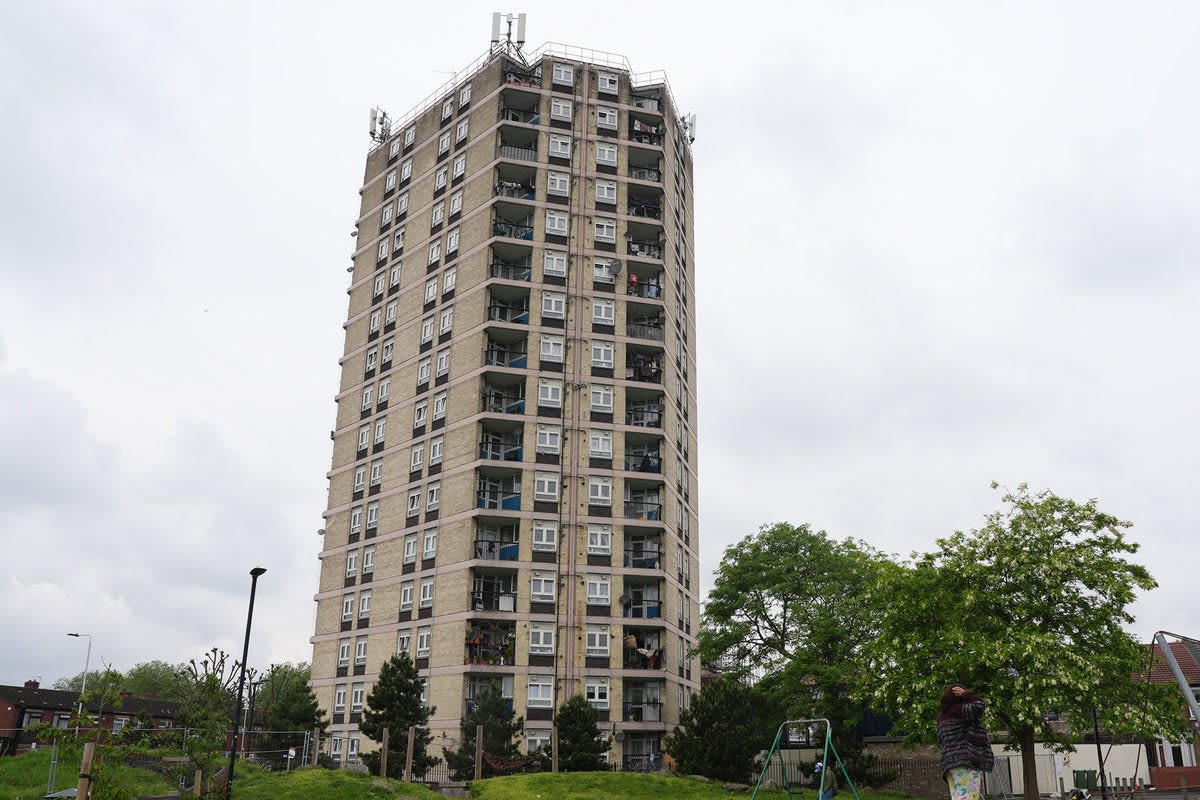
(938, 244)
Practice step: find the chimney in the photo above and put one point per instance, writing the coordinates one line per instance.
(31, 684)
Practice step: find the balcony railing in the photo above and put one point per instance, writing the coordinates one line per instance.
(639, 509)
(644, 417)
(499, 451)
(646, 103)
(511, 272)
(503, 313)
(645, 249)
(509, 114)
(642, 762)
(645, 210)
(517, 153)
(645, 711)
(646, 462)
(497, 499)
(493, 601)
(643, 369)
(643, 609)
(645, 174)
(643, 288)
(492, 550)
(514, 230)
(644, 330)
(503, 357)
(500, 403)
(644, 133)
(522, 191)
(641, 558)
(643, 658)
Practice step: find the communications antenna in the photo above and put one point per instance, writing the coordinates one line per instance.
(506, 42)
(381, 125)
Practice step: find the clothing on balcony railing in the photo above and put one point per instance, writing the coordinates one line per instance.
(492, 550)
(513, 189)
(516, 230)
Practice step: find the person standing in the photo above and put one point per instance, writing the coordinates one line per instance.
(964, 751)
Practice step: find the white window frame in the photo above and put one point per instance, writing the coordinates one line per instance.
(453, 237)
(600, 444)
(435, 251)
(606, 154)
(360, 478)
(403, 640)
(420, 413)
(541, 639)
(444, 142)
(356, 512)
(550, 392)
(541, 691)
(545, 535)
(464, 96)
(343, 652)
(380, 430)
(389, 182)
(436, 446)
(447, 107)
(602, 270)
(424, 641)
(606, 230)
(601, 398)
(456, 204)
(563, 74)
(554, 305)
(429, 544)
(545, 486)
(398, 240)
(608, 83)
(600, 490)
(549, 439)
(417, 459)
(357, 693)
(364, 436)
(599, 539)
(410, 136)
(339, 698)
(449, 280)
(603, 353)
(604, 311)
(424, 366)
(606, 191)
(414, 502)
(554, 262)
(462, 129)
(558, 183)
(428, 323)
(459, 165)
(597, 641)
(394, 275)
(552, 348)
(394, 148)
(360, 651)
(560, 146)
(410, 548)
(433, 497)
(446, 320)
(426, 598)
(364, 604)
(406, 169)
(402, 204)
(442, 363)
(607, 118)
(351, 563)
(440, 178)
(384, 386)
(390, 314)
(438, 215)
(557, 222)
(599, 589)
(439, 405)
(542, 586)
(368, 560)
(372, 514)
(347, 607)
(406, 596)
(595, 691)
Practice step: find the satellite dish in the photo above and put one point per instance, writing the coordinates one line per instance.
(624, 600)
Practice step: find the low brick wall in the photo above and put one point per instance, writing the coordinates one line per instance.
(1168, 779)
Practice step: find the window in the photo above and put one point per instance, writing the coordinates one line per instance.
(360, 478)
(339, 698)
(383, 249)
(433, 499)
(541, 639)
(435, 251)
(420, 412)
(384, 386)
(351, 564)
(356, 703)
(596, 641)
(356, 514)
(430, 550)
(335, 748)
(554, 305)
(394, 148)
(372, 515)
(550, 392)
(410, 136)
(556, 222)
(604, 270)
(368, 560)
(449, 279)
(459, 165)
(435, 450)
(347, 607)
(423, 369)
(364, 437)
(602, 399)
(558, 183)
(390, 316)
(600, 443)
(376, 471)
(602, 353)
(406, 596)
(390, 181)
(443, 362)
(560, 146)
(394, 276)
(606, 154)
(552, 348)
(427, 323)
(549, 439)
(424, 639)
(604, 312)
(364, 605)
(606, 230)
(545, 486)
(599, 589)
(376, 319)
(410, 548)
(443, 142)
(536, 739)
(380, 283)
(403, 640)
(456, 201)
(368, 396)
(380, 430)
(545, 535)
(417, 458)
(447, 320)
(560, 109)
(447, 107)
(554, 262)
(599, 539)
(344, 653)
(360, 651)
(564, 74)
(541, 587)
(439, 214)
(460, 131)
(414, 502)
(606, 191)
(606, 118)
(452, 238)
(439, 180)
(464, 96)
(398, 244)
(427, 593)
(402, 204)
(607, 83)
(596, 692)
(439, 406)
(406, 169)
(600, 490)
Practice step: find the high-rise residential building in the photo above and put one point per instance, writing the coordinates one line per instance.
(513, 496)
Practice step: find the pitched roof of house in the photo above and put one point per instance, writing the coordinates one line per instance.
(1187, 654)
(33, 696)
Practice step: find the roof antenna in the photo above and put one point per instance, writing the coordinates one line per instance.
(507, 43)
(381, 125)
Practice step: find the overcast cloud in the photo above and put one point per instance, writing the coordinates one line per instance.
(938, 244)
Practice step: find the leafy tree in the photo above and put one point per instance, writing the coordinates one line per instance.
(720, 735)
(1028, 610)
(395, 703)
(581, 747)
(500, 726)
(208, 700)
(787, 609)
(72, 684)
(285, 702)
(157, 678)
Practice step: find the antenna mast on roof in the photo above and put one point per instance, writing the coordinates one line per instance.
(508, 44)
(381, 125)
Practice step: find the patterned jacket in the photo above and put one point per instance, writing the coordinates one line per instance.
(962, 741)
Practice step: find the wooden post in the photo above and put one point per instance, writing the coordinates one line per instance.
(85, 771)
(383, 753)
(478, 752)
(198, 786)
(316, 740)
(408, 756)
(554, 748)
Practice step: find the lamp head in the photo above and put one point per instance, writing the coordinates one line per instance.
(257, 571)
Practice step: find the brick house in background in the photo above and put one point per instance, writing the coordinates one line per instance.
(1174, 762)
(24, 706)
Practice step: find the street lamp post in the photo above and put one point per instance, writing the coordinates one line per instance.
(237, 717)
(86, 663)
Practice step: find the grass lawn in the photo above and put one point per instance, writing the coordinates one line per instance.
(315, 783)
(606, 786)
(24, 777)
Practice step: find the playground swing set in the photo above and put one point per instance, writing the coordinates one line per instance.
(791, 778)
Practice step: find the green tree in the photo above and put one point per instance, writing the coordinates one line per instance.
(787, 609)
(285, 702)
(724, 729)
(73, 683)
(395, 703)
(500, 727)
(581, 747)
(207, 704)
(157, 678)
(1029, 611)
